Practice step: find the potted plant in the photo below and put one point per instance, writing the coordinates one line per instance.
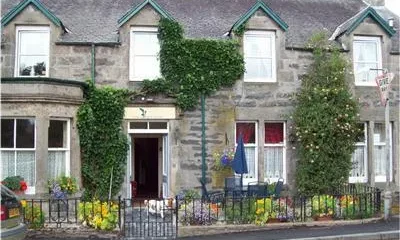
(15, 184)
(222, 167)
(62, 186)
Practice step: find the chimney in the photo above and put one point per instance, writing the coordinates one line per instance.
(375, 2)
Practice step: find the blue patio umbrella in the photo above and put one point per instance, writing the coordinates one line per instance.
(239, 163)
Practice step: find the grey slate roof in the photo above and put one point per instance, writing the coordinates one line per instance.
(96, 20)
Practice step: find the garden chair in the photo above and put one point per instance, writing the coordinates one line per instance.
(257, 190)
(278, 188)
(211, 196)
(233, 188)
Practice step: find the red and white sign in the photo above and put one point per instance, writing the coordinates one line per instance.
(383, 82)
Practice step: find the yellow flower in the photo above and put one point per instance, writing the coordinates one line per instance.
(23, 203)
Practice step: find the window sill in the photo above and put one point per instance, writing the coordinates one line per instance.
(364, 84)
(259, 81)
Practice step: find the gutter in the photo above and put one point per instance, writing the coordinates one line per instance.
(93, 63)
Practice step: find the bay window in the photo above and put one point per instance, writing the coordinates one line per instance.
(18, 150)
(248, 132)
(58, 148)
(32, 51)
(274, 151)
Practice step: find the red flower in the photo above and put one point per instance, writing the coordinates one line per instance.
(23, 185)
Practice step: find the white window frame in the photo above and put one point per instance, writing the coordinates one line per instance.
(362, 179)
(283, 145)
(30, 189)
(67, 148)
(246, 178)
(132, 76)
(382, 178)
(376, 40)
(19, 31)
(148, 130)
(265, 34)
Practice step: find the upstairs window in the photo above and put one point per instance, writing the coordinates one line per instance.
(259, 56)
(366, 55)
(144, 49)
(32, 51)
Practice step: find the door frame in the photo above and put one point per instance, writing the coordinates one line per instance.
(162, 135)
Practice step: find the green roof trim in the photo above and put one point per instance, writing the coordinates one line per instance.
(267, 10)
(139, 7)
(8, 17)
(370, 12)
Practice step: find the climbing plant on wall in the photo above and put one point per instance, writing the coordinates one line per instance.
(325, 121)
(103, 145)
(191, 67)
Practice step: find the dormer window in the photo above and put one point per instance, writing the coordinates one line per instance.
(367, 58)
(259, 56)
(144, 49)
(32, 51)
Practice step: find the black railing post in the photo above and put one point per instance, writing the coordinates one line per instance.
(378, 200)
(119, 213)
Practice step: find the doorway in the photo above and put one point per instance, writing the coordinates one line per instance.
(146, 166)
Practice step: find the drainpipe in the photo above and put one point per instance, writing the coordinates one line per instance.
(93, 63)
(203, 141)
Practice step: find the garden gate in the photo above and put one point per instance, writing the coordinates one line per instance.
(154, 220)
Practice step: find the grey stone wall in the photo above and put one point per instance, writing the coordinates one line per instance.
(246, 101)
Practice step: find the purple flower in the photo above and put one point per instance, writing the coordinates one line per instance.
(225, 160)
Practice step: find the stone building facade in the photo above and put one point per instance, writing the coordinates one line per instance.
(94, 40)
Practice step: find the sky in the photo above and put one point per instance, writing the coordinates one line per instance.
(393, 5)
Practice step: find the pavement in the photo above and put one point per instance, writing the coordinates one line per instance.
(343, 230)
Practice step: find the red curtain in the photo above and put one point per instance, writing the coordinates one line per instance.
(248, 132)
(273, 132)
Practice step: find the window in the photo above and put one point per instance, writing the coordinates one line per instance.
(358, 171)
(380, 152)
(144, 62)
(259, 56)
(58, 149)
(18, 150)
(248, 131)
(274, 151)
(367, 55)
(32, 51)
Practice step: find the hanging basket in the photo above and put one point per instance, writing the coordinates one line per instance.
(218, 177)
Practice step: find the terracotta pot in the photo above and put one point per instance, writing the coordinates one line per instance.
(323, 218)
(273, 220)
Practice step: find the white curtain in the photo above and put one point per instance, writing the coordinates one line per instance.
(26, 166)
(273, 162)
(7, 164)
(56, 164)
(250, 158)
(358, 162)
(380, 160)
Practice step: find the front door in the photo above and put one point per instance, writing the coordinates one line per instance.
(146, 165)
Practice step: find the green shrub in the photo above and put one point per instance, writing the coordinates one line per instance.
(325, 122)
(13, 182)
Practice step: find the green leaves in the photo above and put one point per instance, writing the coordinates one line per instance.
(103, 144)
(191, 67)
(325, 122)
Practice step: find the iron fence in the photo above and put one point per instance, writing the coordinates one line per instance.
(346, 203)
(57, 213)
(160, 218)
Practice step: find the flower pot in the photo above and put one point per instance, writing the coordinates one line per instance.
(218, 177)
(323, 218)
(273, 220)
